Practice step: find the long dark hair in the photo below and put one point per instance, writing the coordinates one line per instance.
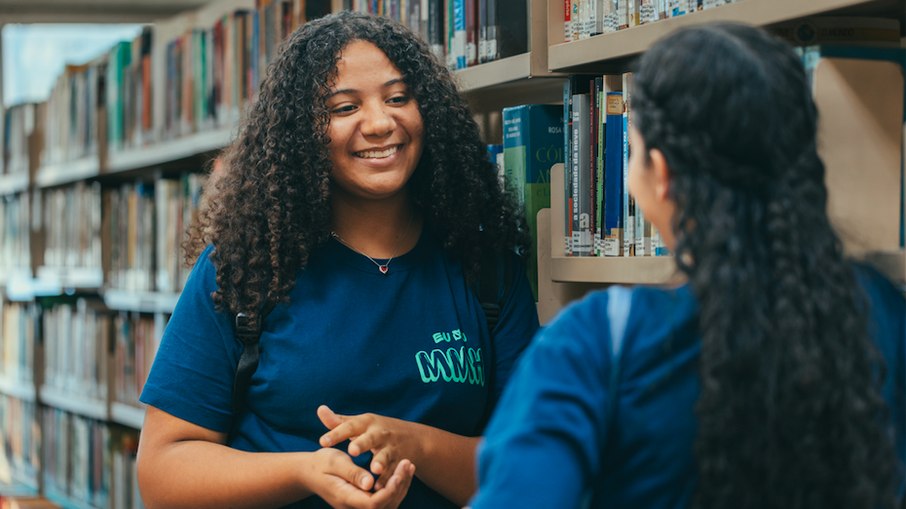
(271, 206)
(790, 409)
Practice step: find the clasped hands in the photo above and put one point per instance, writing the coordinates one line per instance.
(392, 442)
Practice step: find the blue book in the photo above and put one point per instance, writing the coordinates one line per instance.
(613, 175)
(532, 143)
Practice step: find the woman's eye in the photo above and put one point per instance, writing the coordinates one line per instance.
(399, 99)
(348, 108)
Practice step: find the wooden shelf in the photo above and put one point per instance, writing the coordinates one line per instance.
(13, 183)
(21, 287)
(506, 72)
(65, 501)
(142, 302)
(613, 270)
(579, 56)
(69, 277)
(18, 389)
(19, 483)
(168, 152)
(14, 280)
(67, 172)
(74, 403)
(127, 415)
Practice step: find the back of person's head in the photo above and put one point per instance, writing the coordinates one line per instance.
(790, 411)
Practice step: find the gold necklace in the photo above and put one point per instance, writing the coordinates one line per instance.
(384, 268)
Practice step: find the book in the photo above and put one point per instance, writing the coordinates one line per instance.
(511, 19)
(532, 143)
(581, 160)
(613, 170)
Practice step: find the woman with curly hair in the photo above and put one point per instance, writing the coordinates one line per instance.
(351, 218)
(774, 378)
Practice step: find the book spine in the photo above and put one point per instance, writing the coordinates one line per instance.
(613, 175)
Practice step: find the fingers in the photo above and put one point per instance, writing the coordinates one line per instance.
(358, 477)
(328, 417)
(384, 478)
(370, 440)
(384, 461)
(341, 427)
(397, 486)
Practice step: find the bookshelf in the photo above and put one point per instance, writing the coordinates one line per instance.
(616, 48)
(168, 153)
(861, 136)
(23, 391)
(13, 183)
(136, 315)
(67, 172)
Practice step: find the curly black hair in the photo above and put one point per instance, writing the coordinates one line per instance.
(270, 208)
(790, 410)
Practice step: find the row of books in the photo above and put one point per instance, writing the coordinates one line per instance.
(130, 120)
(71, 217)
(134, 232)
(21, 438)
(585, 18)
(18, 324)
(19, 123)
(89, 462)
(462, 32)
(601, 218)
(71, 128)
(146, 237)
(134, 346)
(15, 238)
(77, 336)
(202, 76)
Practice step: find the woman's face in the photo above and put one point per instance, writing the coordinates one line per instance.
(375, 127)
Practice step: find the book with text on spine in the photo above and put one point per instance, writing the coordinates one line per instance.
(532, 143)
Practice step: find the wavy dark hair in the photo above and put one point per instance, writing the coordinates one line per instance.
(270, 208)
(790, 410)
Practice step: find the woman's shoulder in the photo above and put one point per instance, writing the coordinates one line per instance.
(204, 272)
(878, 288)
(638, 300)
(636, 308)
(886, 304)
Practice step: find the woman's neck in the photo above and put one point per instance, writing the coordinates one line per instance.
(380, 229)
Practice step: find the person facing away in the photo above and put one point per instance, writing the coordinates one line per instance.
(357, 197)
(774, 377)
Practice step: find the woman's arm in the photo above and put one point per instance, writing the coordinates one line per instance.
(445, 461)
(542, 445)
(181, 464)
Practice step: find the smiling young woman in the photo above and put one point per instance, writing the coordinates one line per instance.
(356, 198)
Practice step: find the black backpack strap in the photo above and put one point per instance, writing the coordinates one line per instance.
(491, 299)
(248, 332)
(494, 269)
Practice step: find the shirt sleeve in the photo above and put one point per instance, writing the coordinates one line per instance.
(517, 325)
(542, 447)
(192, 374)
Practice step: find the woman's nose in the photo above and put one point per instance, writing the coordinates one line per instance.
(377, 121)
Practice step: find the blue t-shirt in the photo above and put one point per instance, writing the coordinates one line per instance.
(411, 344)
(560, 438)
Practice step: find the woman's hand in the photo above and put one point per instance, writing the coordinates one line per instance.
(390, 440)
(344, 485)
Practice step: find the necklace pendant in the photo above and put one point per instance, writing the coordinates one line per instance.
(383, 268)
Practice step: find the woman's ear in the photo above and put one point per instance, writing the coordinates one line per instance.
(661, 173)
